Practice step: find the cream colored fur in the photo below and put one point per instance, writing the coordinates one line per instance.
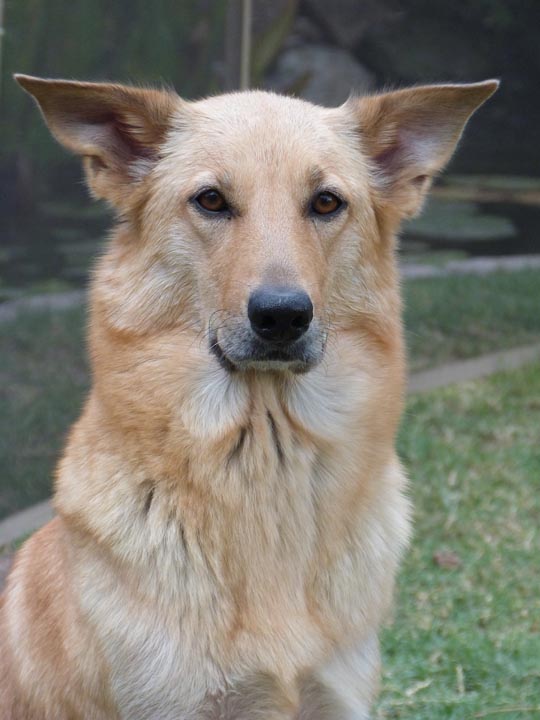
(226, 542)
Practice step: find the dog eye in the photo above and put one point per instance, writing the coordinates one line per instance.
(326, 203)
(212, 201)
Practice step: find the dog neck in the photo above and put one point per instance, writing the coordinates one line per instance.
(192, 429)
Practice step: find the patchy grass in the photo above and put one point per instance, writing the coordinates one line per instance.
(465, 642)
(459, 317)
(43, 379)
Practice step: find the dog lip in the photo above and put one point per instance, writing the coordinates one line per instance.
(275, 354)
(223, 360)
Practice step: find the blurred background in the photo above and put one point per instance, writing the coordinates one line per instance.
(311, 48)
(471, 281)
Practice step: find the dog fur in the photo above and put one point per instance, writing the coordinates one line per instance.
(228, 533)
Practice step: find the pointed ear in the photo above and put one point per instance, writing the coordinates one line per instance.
(411, 134)
(117, 130)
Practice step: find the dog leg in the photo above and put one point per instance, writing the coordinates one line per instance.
(346, 687)
(260, 697)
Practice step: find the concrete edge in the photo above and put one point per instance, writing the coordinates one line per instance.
(16, 526)
(473, 369)
(22, 523)
(46, 301)
(482, 265)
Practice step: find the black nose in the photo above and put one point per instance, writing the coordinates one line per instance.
(279, 314)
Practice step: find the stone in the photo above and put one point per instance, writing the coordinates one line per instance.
(322, 74)
(347, 22)
(266, 14)
(305, 31)
(520, 190)
(418, 46)
(444, 222)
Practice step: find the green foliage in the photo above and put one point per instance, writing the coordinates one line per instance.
(165, 41)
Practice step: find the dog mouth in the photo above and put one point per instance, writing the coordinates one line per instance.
(248, 353)
(217, 352)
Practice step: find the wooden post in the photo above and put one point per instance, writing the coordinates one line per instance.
(1, 39)
(232, 45)
(245, 54)
(238, 44)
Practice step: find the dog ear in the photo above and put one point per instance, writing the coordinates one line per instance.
(411, 134)
(117, 130)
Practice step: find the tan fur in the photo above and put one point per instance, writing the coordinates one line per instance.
(226, 542)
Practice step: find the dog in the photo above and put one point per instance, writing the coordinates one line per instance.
(231, 511)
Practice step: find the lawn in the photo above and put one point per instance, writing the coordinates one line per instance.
(463, 316)
(465, 640)
(43, 371)
(43, 379)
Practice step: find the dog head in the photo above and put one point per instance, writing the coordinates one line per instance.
(263, 222)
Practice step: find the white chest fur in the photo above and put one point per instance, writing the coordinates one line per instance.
(260, 563)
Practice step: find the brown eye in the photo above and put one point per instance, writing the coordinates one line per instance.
(325, 203)
(211, 200)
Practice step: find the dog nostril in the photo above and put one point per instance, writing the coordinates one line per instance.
(267, 322)
(279, 314)
(300, 321)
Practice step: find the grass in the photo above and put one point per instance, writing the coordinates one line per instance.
(465, 642)
(43, 372)
(459, 317)
(43, 378)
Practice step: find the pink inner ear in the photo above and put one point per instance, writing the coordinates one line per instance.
(394, 159)
(109, 138)
(388, 160)
(414, 154)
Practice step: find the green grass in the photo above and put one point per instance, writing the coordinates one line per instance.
(43, 373)
(460, 317)
(43, 378)
(466, 640)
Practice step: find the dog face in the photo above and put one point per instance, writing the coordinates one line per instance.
(268, 191)
(262, 221)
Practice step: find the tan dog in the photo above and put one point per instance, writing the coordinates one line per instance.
(230, 505)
